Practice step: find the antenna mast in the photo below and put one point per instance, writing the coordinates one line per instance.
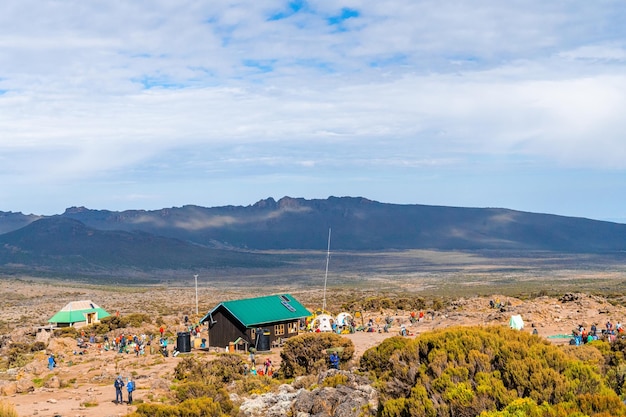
(326, 275)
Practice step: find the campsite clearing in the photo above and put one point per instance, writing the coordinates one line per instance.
(82, 384)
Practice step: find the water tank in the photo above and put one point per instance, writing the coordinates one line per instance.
(263, 341)
(183, 342)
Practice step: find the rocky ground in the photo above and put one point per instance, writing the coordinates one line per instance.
(82, 385)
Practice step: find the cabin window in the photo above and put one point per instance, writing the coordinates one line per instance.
(293, 327)
(279, 329)
(253, 334)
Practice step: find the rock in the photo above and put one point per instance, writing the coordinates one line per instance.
(160, 383)
(53, 383)
(90, 399)
(24, 385)
(354, 398)
(8, 388)
(342, 401)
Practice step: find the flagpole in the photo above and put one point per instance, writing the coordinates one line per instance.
(326, 275)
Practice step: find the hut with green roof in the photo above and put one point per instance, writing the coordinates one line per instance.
(78, 313)
(259, 322)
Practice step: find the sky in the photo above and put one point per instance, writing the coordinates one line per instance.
(118, 105)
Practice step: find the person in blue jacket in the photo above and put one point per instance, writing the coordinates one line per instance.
(334, 360)
(130, 387)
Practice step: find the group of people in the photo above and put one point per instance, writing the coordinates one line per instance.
(127, 343)
(119, 386)
(581, 335)
(266, 369)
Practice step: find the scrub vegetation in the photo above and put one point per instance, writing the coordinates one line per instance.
(494, 371)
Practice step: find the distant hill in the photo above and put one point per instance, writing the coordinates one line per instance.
(65, 246)
(197, 237)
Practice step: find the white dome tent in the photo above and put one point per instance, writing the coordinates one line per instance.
(323, 323)
(344, 319)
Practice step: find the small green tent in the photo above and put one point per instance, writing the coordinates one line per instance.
(516, 322)
(83, 312)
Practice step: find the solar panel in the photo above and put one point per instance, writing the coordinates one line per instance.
(288, 306)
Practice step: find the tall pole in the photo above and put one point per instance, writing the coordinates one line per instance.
(326, 275)
(196, 278)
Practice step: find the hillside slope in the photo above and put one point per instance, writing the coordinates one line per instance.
(361, 224)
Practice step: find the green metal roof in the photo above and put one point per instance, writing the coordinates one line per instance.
(76, 316)
(261, 310)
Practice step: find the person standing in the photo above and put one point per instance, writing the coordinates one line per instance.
(118, 384)
(130, 387)
(334, 360)
(51, 362)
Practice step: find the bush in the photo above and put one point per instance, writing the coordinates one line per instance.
(225, 368)
(306, 353)
(255, 385)
(66, 332)
(468, 370)
(200, 407)
(193, 390)
(378, 358)
(137, 319)
(119, 322)
(335, 380)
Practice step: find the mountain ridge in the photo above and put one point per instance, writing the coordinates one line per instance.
(192, 237)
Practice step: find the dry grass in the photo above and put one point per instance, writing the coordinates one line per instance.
(7, 410)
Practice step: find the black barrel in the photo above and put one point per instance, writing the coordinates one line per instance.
(183, 342)
(263, 341)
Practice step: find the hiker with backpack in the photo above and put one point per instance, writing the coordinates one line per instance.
(130, 387)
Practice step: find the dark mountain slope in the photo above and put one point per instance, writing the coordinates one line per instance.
(62, 244)
(10, 221)
(361, 224)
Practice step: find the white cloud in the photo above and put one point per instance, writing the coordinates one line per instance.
(97, 90)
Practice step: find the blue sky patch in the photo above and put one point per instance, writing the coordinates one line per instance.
(345, 14)
(293, 7)
(149, 82)
(266, 65)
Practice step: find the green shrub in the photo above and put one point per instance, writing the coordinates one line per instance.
(192, 390)
(110, 323)
(255, 385)
(16, 358)
(306, 353)
(468, 370)
(66, 332)
(191, 369)
(334, 381)
(137, 319)
(200, 407)
(378, 357)
(225, 368)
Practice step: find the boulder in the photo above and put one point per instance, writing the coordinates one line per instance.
(24, 386)
(53, 382)
(354, 398)
(8, 388)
